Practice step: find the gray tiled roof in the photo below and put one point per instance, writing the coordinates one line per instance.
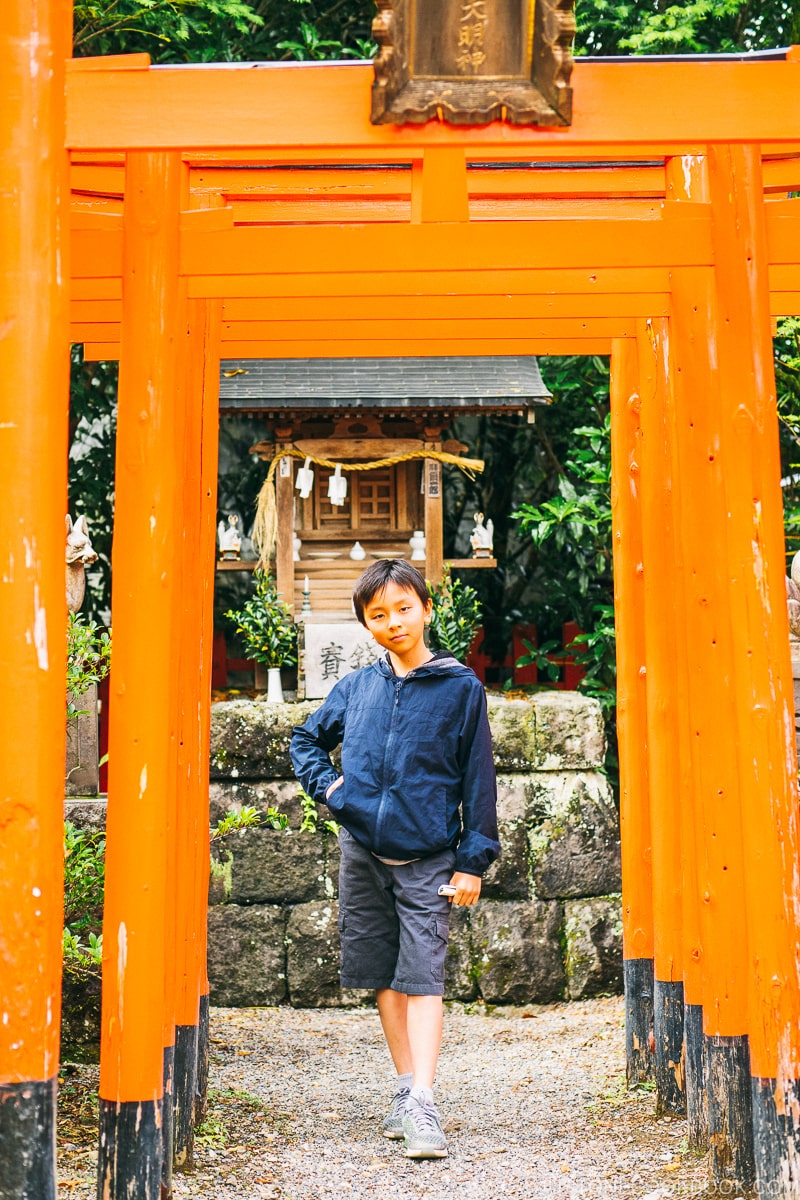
(402, 383)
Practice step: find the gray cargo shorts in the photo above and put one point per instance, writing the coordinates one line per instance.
(393, 925)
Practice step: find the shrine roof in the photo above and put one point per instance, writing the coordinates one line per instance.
(512, 381)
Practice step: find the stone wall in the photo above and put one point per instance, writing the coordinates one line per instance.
(548, 925)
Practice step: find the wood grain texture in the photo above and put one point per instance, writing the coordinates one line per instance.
(306, 112)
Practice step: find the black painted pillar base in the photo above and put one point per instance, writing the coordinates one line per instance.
(639, 1045)
(203, 1048)
(776, 1138)
(669, 1055)
(696, 1076)
(28, 1140)
(185, 1085)
(730, 1110)
(130, 1150)
(168, 1121)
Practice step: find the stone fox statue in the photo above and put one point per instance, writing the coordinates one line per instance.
(80, 554)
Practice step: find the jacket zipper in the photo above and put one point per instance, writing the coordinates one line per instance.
(386, 760)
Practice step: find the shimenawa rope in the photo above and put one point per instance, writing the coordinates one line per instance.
(265, 527)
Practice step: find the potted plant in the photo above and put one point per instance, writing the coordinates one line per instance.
(267, 631)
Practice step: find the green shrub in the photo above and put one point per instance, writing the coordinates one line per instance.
(265, 625)
(455, 617)
(84, 880)
(88, 658)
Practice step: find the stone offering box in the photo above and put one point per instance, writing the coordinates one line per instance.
(548, 925)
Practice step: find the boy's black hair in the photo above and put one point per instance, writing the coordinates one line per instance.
(388, 570)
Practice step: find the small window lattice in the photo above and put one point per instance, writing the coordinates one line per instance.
(376, 498)
(370, 502)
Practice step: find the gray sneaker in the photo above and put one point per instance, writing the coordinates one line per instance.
(422, 1126)
(393, 1121)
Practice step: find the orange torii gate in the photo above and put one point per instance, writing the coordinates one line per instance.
(244, 211)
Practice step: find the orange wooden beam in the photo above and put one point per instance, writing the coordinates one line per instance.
(322, 209)
(683, 239)
(450, 308)
(323, 109)
(377, 156)
(96, 276)
(387, 328)
(414, 348)
(280, 183)
(240, 316)
(600, 154)
(96, 253)
(782, 231)
(645, 182)
(548, 282)
(95, 310)
(102, 179)
(285, 334)
(95, 289)
(781, 175)
(109, 351)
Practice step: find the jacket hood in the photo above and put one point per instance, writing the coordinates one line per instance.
(442, 661)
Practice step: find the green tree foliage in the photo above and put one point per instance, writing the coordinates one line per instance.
(93, 433)
(572, 530)
(787, 377)
(524, 466)
(225, 30)
(168, 30)
(698, 27)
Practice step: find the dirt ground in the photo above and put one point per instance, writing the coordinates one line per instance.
(533, 1101)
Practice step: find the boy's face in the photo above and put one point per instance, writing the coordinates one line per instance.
(396, 618)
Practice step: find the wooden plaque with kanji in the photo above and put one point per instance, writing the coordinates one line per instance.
(469, 62)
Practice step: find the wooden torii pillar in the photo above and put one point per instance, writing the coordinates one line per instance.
(637, 899)
(34, 387)
(155, 991)
(761, 674)
(730, 864)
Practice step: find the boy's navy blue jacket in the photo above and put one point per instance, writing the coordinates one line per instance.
(416, 760)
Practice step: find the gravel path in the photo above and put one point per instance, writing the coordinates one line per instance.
(533, 1102)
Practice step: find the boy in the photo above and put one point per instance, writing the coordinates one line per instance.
(417, 802)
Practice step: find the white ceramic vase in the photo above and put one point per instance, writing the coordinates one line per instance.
(274, 689)
(417, 544)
